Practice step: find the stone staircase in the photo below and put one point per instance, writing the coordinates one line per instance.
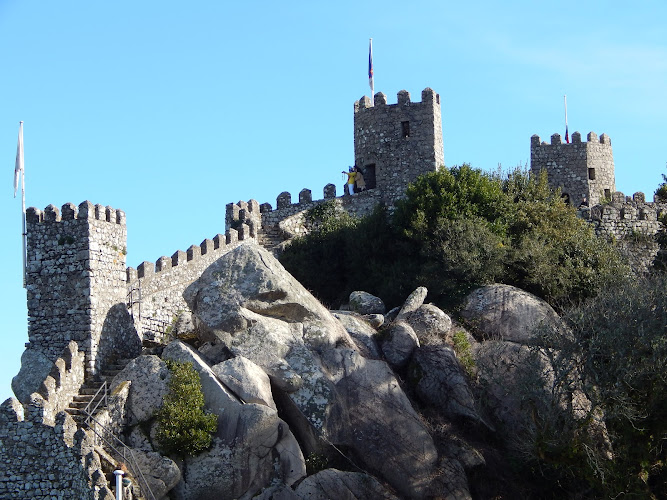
(90, 396)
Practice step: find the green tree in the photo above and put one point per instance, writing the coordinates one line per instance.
(456, 229)
(183, 427)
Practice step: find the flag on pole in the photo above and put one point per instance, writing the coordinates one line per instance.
(567, 135)
(18, 168)
(370, 69)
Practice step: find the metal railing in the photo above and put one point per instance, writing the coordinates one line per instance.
(125, 453)
(104, 399)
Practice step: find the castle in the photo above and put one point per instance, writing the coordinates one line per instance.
(85, 307)
(79, 288)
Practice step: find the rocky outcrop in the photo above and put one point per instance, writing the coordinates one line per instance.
(365, 303)
(504, 312)
(399, 342)
(332, 394)
(251, 447)
(440, 381)
(149, 377)
(245, 379)
(404, 400)
(431, 324)
(342, 485)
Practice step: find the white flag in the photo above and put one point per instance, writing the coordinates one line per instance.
(18, 169)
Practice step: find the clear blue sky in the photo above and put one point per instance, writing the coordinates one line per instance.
(170, 110)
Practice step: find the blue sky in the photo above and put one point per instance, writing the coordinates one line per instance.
(170, 110)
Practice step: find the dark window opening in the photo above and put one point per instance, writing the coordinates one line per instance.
(607, 194)
(405, 129)
(369, 175)
(566, 198)
(591, 174)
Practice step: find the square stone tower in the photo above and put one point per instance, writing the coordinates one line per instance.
(76, 283)
(580, 169)
(396, 143)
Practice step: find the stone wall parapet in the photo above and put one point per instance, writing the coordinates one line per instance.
(86, 210)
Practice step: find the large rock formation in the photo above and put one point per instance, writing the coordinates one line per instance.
(504, 312)
(331, 393)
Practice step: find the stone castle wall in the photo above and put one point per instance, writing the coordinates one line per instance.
(75, 281)
(394, 144)
(160, 285)
(46, 461)
(631, 223)
(580, 169)
(288, 219)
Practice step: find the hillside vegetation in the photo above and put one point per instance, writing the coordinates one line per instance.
(458, 228)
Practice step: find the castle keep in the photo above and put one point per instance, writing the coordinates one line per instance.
(395, 144)
(580, 169)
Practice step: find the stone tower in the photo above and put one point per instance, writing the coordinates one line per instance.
(76, 282)
(580, 169)
(396, 143)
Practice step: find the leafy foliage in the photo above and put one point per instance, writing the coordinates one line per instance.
(457, 229)
(184, 428)
(617, 355)
(661, 192)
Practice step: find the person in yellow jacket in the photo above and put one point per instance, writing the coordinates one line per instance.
(349, 185)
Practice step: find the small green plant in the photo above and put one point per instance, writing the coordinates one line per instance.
(322, 213)
(661, 192)
(184, 428)
(315, 462)
(463, 352)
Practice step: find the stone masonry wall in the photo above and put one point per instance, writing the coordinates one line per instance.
(45, 461)
(160, 285)
(288, 219)
(402, 141)
(579, 169)
(630, 222)
(76, 281)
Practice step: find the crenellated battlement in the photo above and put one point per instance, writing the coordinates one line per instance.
(584, 170)
(85, 211)
(429, 98)
(625, 215)
(631, 223)
(592, 138)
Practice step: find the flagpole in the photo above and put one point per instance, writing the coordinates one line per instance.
(19, 169)
(25, 233)
(567, 135)
(371, 77)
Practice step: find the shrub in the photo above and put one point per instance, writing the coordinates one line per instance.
(616, 354)
(184, 428)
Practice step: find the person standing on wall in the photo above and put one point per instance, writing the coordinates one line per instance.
(349, 185)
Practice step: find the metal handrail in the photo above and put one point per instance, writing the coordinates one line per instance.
(87, 410)
(134, 468)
